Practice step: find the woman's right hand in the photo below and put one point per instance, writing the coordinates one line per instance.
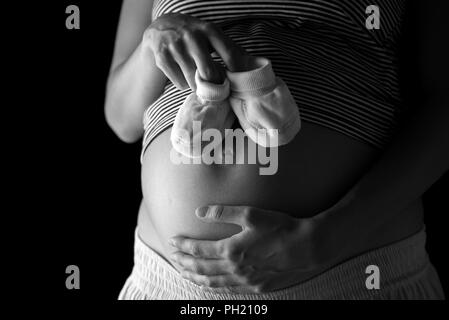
(181, 44)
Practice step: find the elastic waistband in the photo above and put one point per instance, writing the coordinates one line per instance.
(396, 262)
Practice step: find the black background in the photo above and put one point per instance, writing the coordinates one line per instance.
(90, 207)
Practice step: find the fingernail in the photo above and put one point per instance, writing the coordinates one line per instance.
(201, 212)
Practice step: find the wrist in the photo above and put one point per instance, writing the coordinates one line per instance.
(311, 248)
(347, 226)
(336, 234)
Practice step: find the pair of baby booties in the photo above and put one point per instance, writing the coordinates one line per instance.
(261, 101)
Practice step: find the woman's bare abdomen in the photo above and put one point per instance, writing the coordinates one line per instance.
(313, 172)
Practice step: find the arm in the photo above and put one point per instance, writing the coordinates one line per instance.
(147, 53)
(134, 80)
(419, 153)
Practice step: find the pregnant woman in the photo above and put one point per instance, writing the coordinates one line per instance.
(342, 217)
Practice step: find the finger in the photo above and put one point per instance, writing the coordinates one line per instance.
(171, 69)
(211, 281)
(228, 50)
(185, 62)
(199, 51)
(198, 248)
(200, 266)
(239, 215)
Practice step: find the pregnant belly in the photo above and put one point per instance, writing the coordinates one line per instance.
(313, 172)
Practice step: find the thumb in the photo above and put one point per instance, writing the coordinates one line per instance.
(226, 214)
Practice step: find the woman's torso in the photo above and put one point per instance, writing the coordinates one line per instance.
(314, 171)
(347, 119)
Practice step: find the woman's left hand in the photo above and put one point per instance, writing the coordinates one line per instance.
(273, 250)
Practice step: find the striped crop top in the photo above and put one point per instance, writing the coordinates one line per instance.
(342, 75)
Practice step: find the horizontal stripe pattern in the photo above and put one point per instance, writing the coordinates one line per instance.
(342, 76)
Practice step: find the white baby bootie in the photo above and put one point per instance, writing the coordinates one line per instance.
(264, 105)
(207, 108)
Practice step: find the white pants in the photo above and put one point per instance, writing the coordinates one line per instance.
(404, 268)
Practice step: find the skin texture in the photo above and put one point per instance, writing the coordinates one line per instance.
(274, 249)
